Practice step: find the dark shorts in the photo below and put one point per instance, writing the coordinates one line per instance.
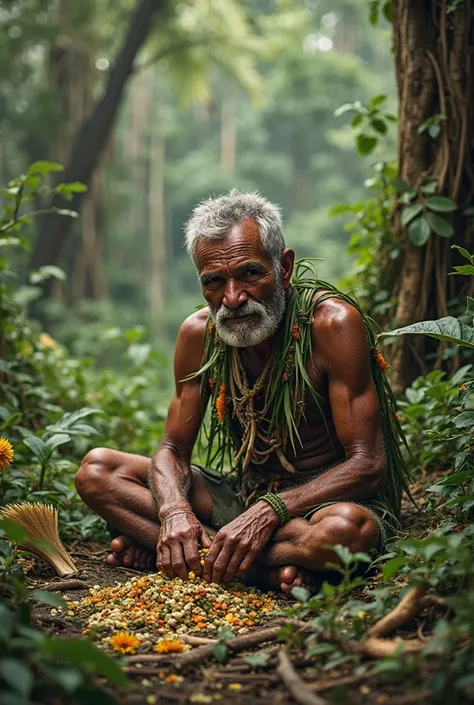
(227, 505)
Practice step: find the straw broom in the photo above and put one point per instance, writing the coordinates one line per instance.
(40, 521)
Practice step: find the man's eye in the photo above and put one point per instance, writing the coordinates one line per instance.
(252, 273)
(214, 281)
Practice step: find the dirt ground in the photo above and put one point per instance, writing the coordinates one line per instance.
(234, 682)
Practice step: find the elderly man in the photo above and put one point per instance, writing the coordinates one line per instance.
(301, 454)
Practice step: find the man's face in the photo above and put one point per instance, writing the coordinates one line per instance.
(245, 294)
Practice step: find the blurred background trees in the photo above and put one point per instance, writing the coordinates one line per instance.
(156, 105)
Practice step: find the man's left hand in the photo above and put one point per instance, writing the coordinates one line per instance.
(237, 544)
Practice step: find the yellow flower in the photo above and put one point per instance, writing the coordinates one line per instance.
(6, 453)
(235, 686)
(168, 646)
(173, 678)
(47, 340)
(124, 642)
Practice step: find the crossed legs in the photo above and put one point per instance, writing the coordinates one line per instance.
(115, 485)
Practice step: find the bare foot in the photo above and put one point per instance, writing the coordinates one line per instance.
(290, 576)
(130, 554)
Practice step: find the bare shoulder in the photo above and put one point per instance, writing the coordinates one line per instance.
(189, 344)
(194, 326)
(338, 332)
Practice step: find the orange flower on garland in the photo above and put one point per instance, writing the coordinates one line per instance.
(380, 361)
(284, 377)
(6, 453)
(169, 646)
(295, 332)
(124, 642)
(212, 327)
(212, 383)
(221, 403)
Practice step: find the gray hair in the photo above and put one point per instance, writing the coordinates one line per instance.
(212, 218)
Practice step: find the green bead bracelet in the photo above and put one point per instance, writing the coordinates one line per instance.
(277, 504)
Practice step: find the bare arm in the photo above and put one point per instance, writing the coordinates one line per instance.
(170, 471)
(340, 345)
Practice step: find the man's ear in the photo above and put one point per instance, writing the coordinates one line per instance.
(287, 261)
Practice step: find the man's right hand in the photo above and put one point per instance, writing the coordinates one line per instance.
(177, 551)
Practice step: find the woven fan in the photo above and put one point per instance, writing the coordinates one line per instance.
(40, 521)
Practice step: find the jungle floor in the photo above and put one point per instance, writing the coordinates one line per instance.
(235, 682)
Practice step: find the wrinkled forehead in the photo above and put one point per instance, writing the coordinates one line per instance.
(241, 243)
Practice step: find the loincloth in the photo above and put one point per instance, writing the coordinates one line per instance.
(229, 502)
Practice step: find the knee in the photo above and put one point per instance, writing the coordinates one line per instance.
(94, 472)
(348, 525)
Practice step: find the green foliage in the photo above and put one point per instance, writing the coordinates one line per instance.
(31, 663)
(420, 211)
(370, 122)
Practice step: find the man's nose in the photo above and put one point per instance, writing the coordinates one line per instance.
(234, 295)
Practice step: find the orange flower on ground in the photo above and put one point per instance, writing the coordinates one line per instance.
(221, 403)
(6, 453)
(124, 642)
(295, 332)
(174, 678)
(380, 361)
(462, 388)
(169, 646)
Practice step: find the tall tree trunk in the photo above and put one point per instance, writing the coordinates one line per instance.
(94, 133)
(228, 127)
(156, 213)
(434, 46)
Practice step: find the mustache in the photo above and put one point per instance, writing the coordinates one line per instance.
(246, 309)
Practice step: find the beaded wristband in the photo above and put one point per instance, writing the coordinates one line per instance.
(278, 505)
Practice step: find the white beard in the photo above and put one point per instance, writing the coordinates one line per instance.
(248, 333)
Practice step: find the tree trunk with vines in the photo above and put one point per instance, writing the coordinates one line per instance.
(434, 44)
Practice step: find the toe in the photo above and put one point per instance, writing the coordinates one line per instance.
(114, 560)
(288, 574)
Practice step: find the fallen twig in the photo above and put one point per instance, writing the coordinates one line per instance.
(197, 640)
(64, 585)
(296, 687)
(346, 680)
(409, 607)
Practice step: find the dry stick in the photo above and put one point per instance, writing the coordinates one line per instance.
(63, 585)
(239, 643)
(297, 687)
(197, 640)
(346, 680)
(409, 607)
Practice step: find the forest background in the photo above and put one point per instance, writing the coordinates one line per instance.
(116, 119)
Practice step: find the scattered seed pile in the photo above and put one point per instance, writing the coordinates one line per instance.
(153, 605)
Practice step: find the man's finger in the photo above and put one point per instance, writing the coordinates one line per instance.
(165, 564)
(246, 564)
(234, 565)
(205, 539)
(191, 554)
(209, 559)
(177, 561)
(221, 562)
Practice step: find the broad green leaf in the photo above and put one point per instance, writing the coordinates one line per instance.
(220, 652)
(58, 439)
(464, 269)
(460, 374)
(15, 532)
(301, 594)
(464, 253)
(439, 225)
(429, 186)
(67, 677)
(378, 100)
(345, 108)
(356, 120)
(374, 12)
(419, 231)
(48, 598)
(6, 622)
(44, 168)
(434, 130)
(365, 144)
(17, 675)
(441, 204)
(259, 659)
(387, 11)
(464, 420)
(449, 329)
(81, 653)
(392, 566)
(410, 212)
(379, 125)
(37, 447)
